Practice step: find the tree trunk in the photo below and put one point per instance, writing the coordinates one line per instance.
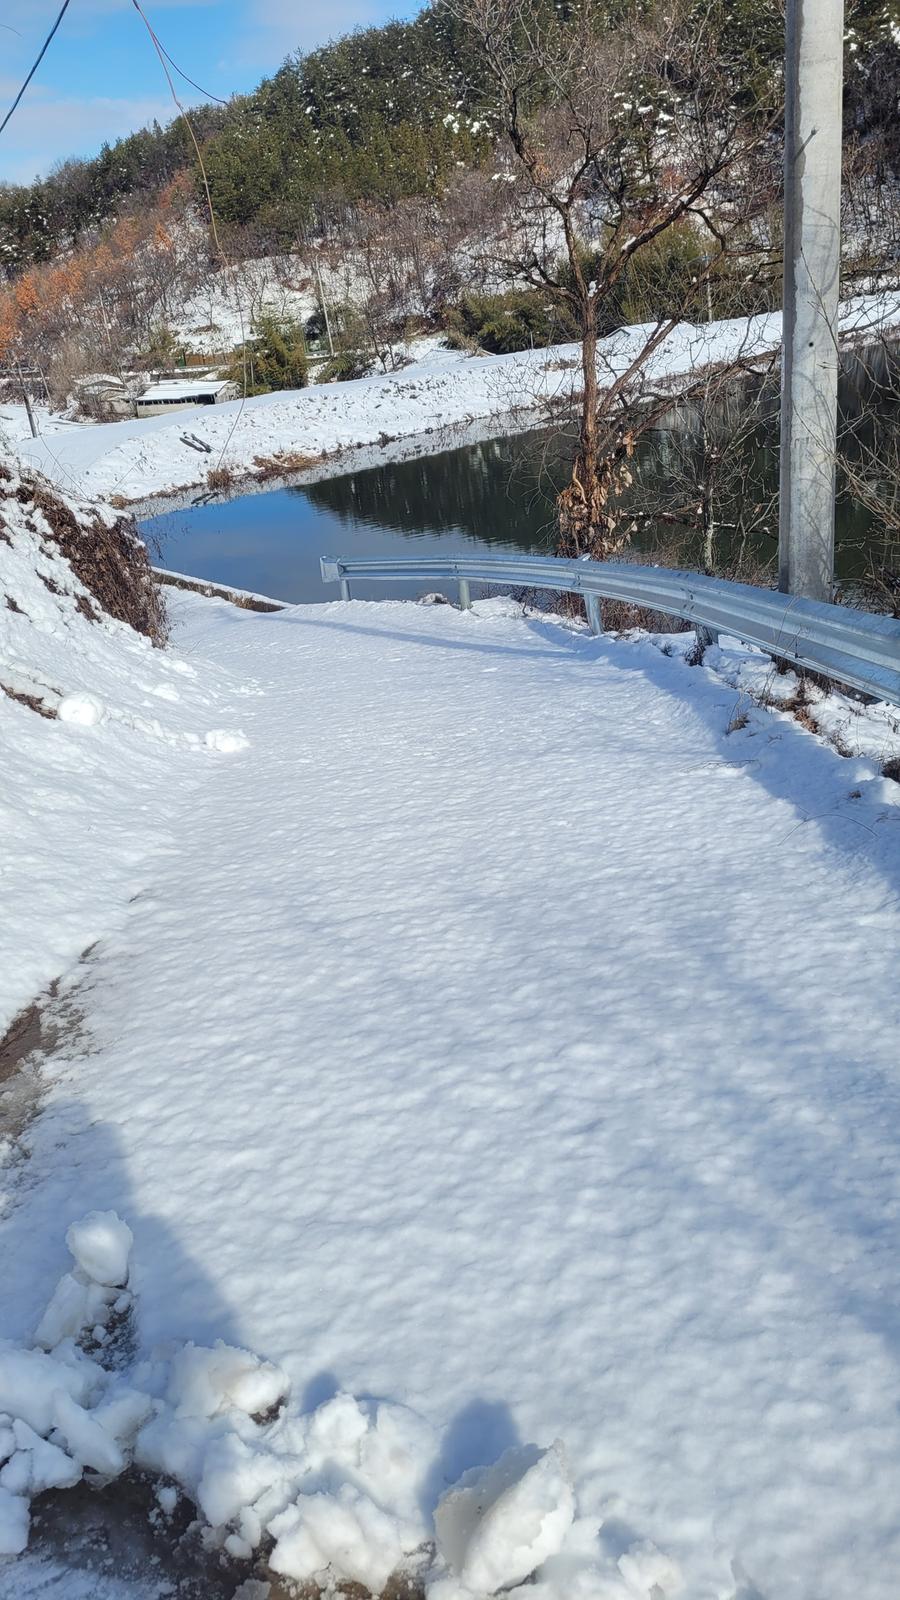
(580, 505)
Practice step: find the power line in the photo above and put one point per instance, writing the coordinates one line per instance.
(43, 51)
(163, 53)
(199, 87)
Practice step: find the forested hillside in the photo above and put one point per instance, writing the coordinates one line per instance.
(384, 114)
(368, 193)
(379, 115)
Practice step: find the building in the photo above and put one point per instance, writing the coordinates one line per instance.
(177, 393)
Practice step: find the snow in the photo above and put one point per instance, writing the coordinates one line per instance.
(182, 389)
(88, 1441)
(85, 710)
(87, 800)
(145, 457)
(101, 1243)
(499, 1524)
(14, 1523)
(205, 1382)
(31, 1382)
(36, 1465)
(76, 1304)
(343, 1533)
(482, 1109)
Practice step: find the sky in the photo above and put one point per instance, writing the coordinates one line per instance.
(101, 77)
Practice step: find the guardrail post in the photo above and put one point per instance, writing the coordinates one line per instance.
(345, 588)
(465, 599)
(705, 636)
(592, 607)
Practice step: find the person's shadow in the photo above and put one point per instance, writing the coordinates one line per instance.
(76, 1165)
(476, 1437)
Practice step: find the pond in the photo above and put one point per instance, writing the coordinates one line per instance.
(496, 498)
(468, 500)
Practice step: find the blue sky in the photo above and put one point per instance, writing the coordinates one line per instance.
(101, 77)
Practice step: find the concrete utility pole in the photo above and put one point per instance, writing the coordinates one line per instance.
(812, 260)
(27, 399)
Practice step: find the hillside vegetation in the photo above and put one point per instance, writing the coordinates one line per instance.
(372, 178)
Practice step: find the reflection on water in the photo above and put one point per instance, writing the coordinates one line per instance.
(479, 498)
(497, 498)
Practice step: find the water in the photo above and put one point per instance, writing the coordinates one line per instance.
(464, 501)
(496, 498)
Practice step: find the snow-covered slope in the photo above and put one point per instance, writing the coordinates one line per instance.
(98, 729)
(504, 1051)
(138, 459)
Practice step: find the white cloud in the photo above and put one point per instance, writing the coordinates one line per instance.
(284, 25)
(50, 129)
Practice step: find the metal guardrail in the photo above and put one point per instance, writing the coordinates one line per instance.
(858, 648)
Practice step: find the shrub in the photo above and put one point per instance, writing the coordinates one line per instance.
(276, 357)
(502, 323)
(346, 364)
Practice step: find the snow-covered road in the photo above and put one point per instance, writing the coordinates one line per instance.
(499, 1035)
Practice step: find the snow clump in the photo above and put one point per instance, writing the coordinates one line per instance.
(85, 710)
(498, 1524)
(86, 1298)
(101, 1244)
(332, 1496)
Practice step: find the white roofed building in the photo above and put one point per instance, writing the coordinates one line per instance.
(176, 393)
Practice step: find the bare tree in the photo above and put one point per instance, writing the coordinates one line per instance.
(707, 492)
(868, 465)
(623, 136)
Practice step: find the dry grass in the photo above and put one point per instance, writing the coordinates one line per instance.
(220, 477)
(620, 616)
(32, 701)
(284, 462)
(739, 719)
(891, 769)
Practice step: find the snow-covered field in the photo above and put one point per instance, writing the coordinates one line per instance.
(492, 1031)
(136, 460)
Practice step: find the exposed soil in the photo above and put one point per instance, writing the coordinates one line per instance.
(53, 1020)
(109, 559)
(247, 602)
(119, 1529)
